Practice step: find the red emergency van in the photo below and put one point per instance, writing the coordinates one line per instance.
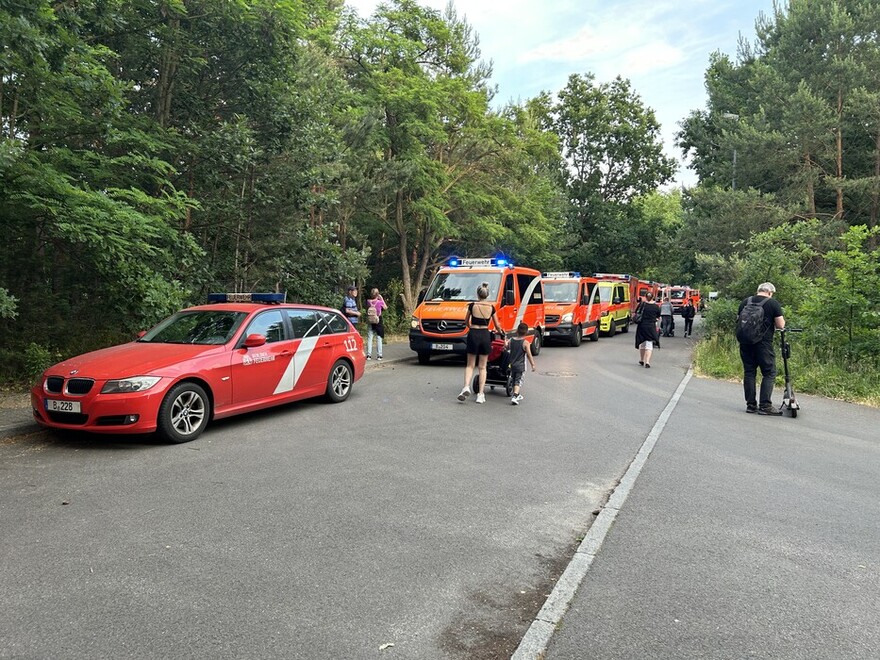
(437, 325)
(572, 308)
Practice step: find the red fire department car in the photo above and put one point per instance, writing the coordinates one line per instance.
(242, 353)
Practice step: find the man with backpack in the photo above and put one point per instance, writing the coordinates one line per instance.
(758, 317)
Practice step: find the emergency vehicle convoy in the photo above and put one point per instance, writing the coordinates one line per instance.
(437, 325)
(572, 307)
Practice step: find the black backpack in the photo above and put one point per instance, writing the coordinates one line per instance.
(750, 328)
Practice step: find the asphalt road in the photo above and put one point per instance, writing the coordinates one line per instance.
(403, 517)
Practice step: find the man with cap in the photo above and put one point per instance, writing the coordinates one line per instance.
(350, 306)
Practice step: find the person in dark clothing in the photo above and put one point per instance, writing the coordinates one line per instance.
(688, 312)
(646, 330)
(479, 341)
(761, 355)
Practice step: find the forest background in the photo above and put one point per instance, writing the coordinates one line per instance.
(152, 151)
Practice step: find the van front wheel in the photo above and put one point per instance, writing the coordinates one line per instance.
(536, 343)
(424, 357)
(577, 334)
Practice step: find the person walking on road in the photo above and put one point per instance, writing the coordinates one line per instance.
(646, 330)
(758, 317)
(666, 318)
(479, 341)
(375, 306)
(688, 312)
(520, 351)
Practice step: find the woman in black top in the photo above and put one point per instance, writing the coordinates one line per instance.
(479, 341)
(646, 330)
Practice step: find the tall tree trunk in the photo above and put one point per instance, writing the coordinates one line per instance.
(839, 187)
(167, 71)
(811, 188)
(875, 193)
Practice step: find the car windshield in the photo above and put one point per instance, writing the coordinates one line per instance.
(677, 294)
(201, 327)
(462, 285)
(605, 293)
(560, 291)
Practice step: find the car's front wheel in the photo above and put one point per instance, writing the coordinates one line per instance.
(184, 413)
(340, 381)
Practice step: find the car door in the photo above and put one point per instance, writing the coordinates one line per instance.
(309, 368)
(258, 371)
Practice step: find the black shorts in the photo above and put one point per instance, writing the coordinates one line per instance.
(479, 341)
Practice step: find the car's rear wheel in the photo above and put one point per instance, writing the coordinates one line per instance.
(577, 334)
(184, 413)
(594, 336)
(340, 381)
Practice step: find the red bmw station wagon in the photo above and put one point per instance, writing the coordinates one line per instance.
(241, 353)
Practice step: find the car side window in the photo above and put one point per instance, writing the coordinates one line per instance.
(332, 323)
(270, 324)
(303, 323)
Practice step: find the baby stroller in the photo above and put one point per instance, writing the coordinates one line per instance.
(497, 366)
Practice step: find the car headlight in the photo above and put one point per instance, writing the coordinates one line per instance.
(414, 322)
(134, 384)
(566, 318)
(604, 314)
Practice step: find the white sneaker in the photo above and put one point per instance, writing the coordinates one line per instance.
(481, 398)
(465, 393)
(514, 400)
(519, 397)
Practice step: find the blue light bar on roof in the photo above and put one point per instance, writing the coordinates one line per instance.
(493, 262)
(270, 298)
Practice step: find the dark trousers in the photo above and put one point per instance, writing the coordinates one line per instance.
(754, 357)
(688, 326)
(665, 325)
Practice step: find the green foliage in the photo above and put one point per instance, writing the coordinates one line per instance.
(7, 305)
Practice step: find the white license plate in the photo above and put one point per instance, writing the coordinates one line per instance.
(54, 405)
(442, 347)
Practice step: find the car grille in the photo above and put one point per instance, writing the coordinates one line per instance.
(448, 327)
(68, 418)
(551, 318)
(79, 385)
(75, 386)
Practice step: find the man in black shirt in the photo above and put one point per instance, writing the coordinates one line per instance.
(760, 354)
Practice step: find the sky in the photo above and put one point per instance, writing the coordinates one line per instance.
(661, 46)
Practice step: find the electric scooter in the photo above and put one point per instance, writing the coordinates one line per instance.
(789, 402)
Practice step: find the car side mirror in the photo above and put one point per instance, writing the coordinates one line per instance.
(141, 334)
(252, 341)
(616, 301)
(509, 298)
(421, 296)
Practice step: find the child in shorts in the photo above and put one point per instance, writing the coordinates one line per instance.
(520, 350)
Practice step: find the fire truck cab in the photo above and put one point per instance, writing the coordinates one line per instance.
(572, 307)
(437, 326)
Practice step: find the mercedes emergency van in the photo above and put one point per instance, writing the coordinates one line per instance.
(517, 293)
(571, 307)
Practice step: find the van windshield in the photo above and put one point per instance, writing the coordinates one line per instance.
(605, 293)
(462, 285)
(560, 291)
(677, 294)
